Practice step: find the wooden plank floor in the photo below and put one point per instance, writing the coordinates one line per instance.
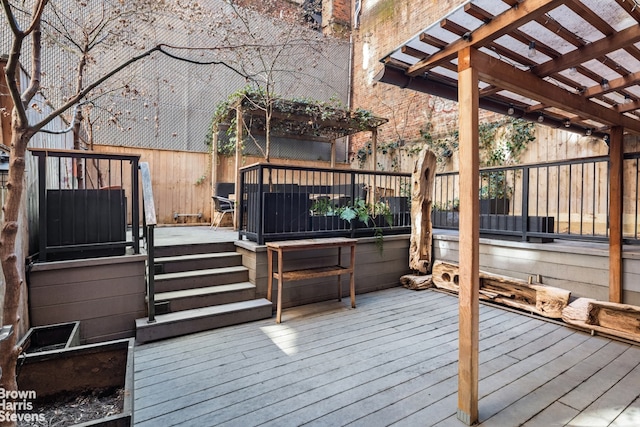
(391, 361)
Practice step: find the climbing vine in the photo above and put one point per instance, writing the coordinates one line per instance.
(321, 119)
(501, 142)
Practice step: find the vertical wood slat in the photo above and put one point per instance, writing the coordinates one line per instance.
(616, 160)
(173, 174)
(469, 240)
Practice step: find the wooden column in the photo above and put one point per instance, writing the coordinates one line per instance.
(616, 189)
(239, 143)
(214, 168)
(374, 148)
(469, 240)
(333, 153)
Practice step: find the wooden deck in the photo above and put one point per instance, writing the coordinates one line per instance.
(391, 361)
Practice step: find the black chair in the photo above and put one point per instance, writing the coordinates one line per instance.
(222, 206)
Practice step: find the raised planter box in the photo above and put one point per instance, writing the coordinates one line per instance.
(51, 337)
(328, 222)
(494, 206)
(488, 223)
(285, 212)
(58, 374)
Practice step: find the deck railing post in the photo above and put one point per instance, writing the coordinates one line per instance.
(525, 203)
(42, 207)
(151, 287)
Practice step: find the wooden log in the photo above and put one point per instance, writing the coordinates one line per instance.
(416, 283)
(445, 276)
(620, 320)
(619, 317)
(421, 194)
(547, 301)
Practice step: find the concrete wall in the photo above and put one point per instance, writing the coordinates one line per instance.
(375, 270)
(105, 294)
(582, 268)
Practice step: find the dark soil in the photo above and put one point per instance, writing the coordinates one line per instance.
(67, 410)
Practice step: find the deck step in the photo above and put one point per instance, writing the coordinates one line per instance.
(202, 297)
(202, 319)
(178, 263)
(193, 248)
(200, 278)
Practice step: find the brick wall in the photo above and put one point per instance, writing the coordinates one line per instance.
(384, 25)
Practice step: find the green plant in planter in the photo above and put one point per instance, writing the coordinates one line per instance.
(323, 206)
(366, 212)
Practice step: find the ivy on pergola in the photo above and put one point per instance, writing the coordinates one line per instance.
(294, 119)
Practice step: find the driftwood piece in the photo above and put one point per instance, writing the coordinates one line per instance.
(546, 301)
(421, 194)
(621, 320)
(416, 283)
(445, 276)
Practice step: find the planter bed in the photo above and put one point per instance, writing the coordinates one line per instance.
(51, 337)
(66, 382)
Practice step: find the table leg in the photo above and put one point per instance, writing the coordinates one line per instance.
(280, 280)
(269, 272)
(339, 276)
(352, 281)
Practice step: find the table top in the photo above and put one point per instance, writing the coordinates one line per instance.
(312, 243)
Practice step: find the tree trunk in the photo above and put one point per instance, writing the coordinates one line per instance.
(13, 276)
(423, 177)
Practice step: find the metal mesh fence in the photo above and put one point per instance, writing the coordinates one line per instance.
(161, 102)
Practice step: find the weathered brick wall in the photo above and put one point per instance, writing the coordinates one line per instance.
(383, 25)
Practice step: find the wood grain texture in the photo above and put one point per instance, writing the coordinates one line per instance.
(547, 301)
(422, 178)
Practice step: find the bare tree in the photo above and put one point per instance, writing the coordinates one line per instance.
(80, 34)
(104, 42)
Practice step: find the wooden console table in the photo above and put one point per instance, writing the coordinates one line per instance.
(308, 244)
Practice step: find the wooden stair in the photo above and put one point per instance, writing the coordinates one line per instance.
(200, 287)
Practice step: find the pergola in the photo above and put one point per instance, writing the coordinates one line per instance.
(572, 64)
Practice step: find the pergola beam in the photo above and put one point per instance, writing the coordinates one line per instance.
(496, 72)
(502, 24)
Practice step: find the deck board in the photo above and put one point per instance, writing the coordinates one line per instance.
(391, 361)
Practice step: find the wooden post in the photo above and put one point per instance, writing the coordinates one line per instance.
(239, 142)
(469, 240)
(616, 167)
(214, 167)
(333, 153)
(374, 147)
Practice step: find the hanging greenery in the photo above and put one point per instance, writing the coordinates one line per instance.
(298, 116)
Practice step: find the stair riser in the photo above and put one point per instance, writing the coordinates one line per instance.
(179, 284)
(196, 248)
(155, 332)
(200, 264)
(209, 300)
